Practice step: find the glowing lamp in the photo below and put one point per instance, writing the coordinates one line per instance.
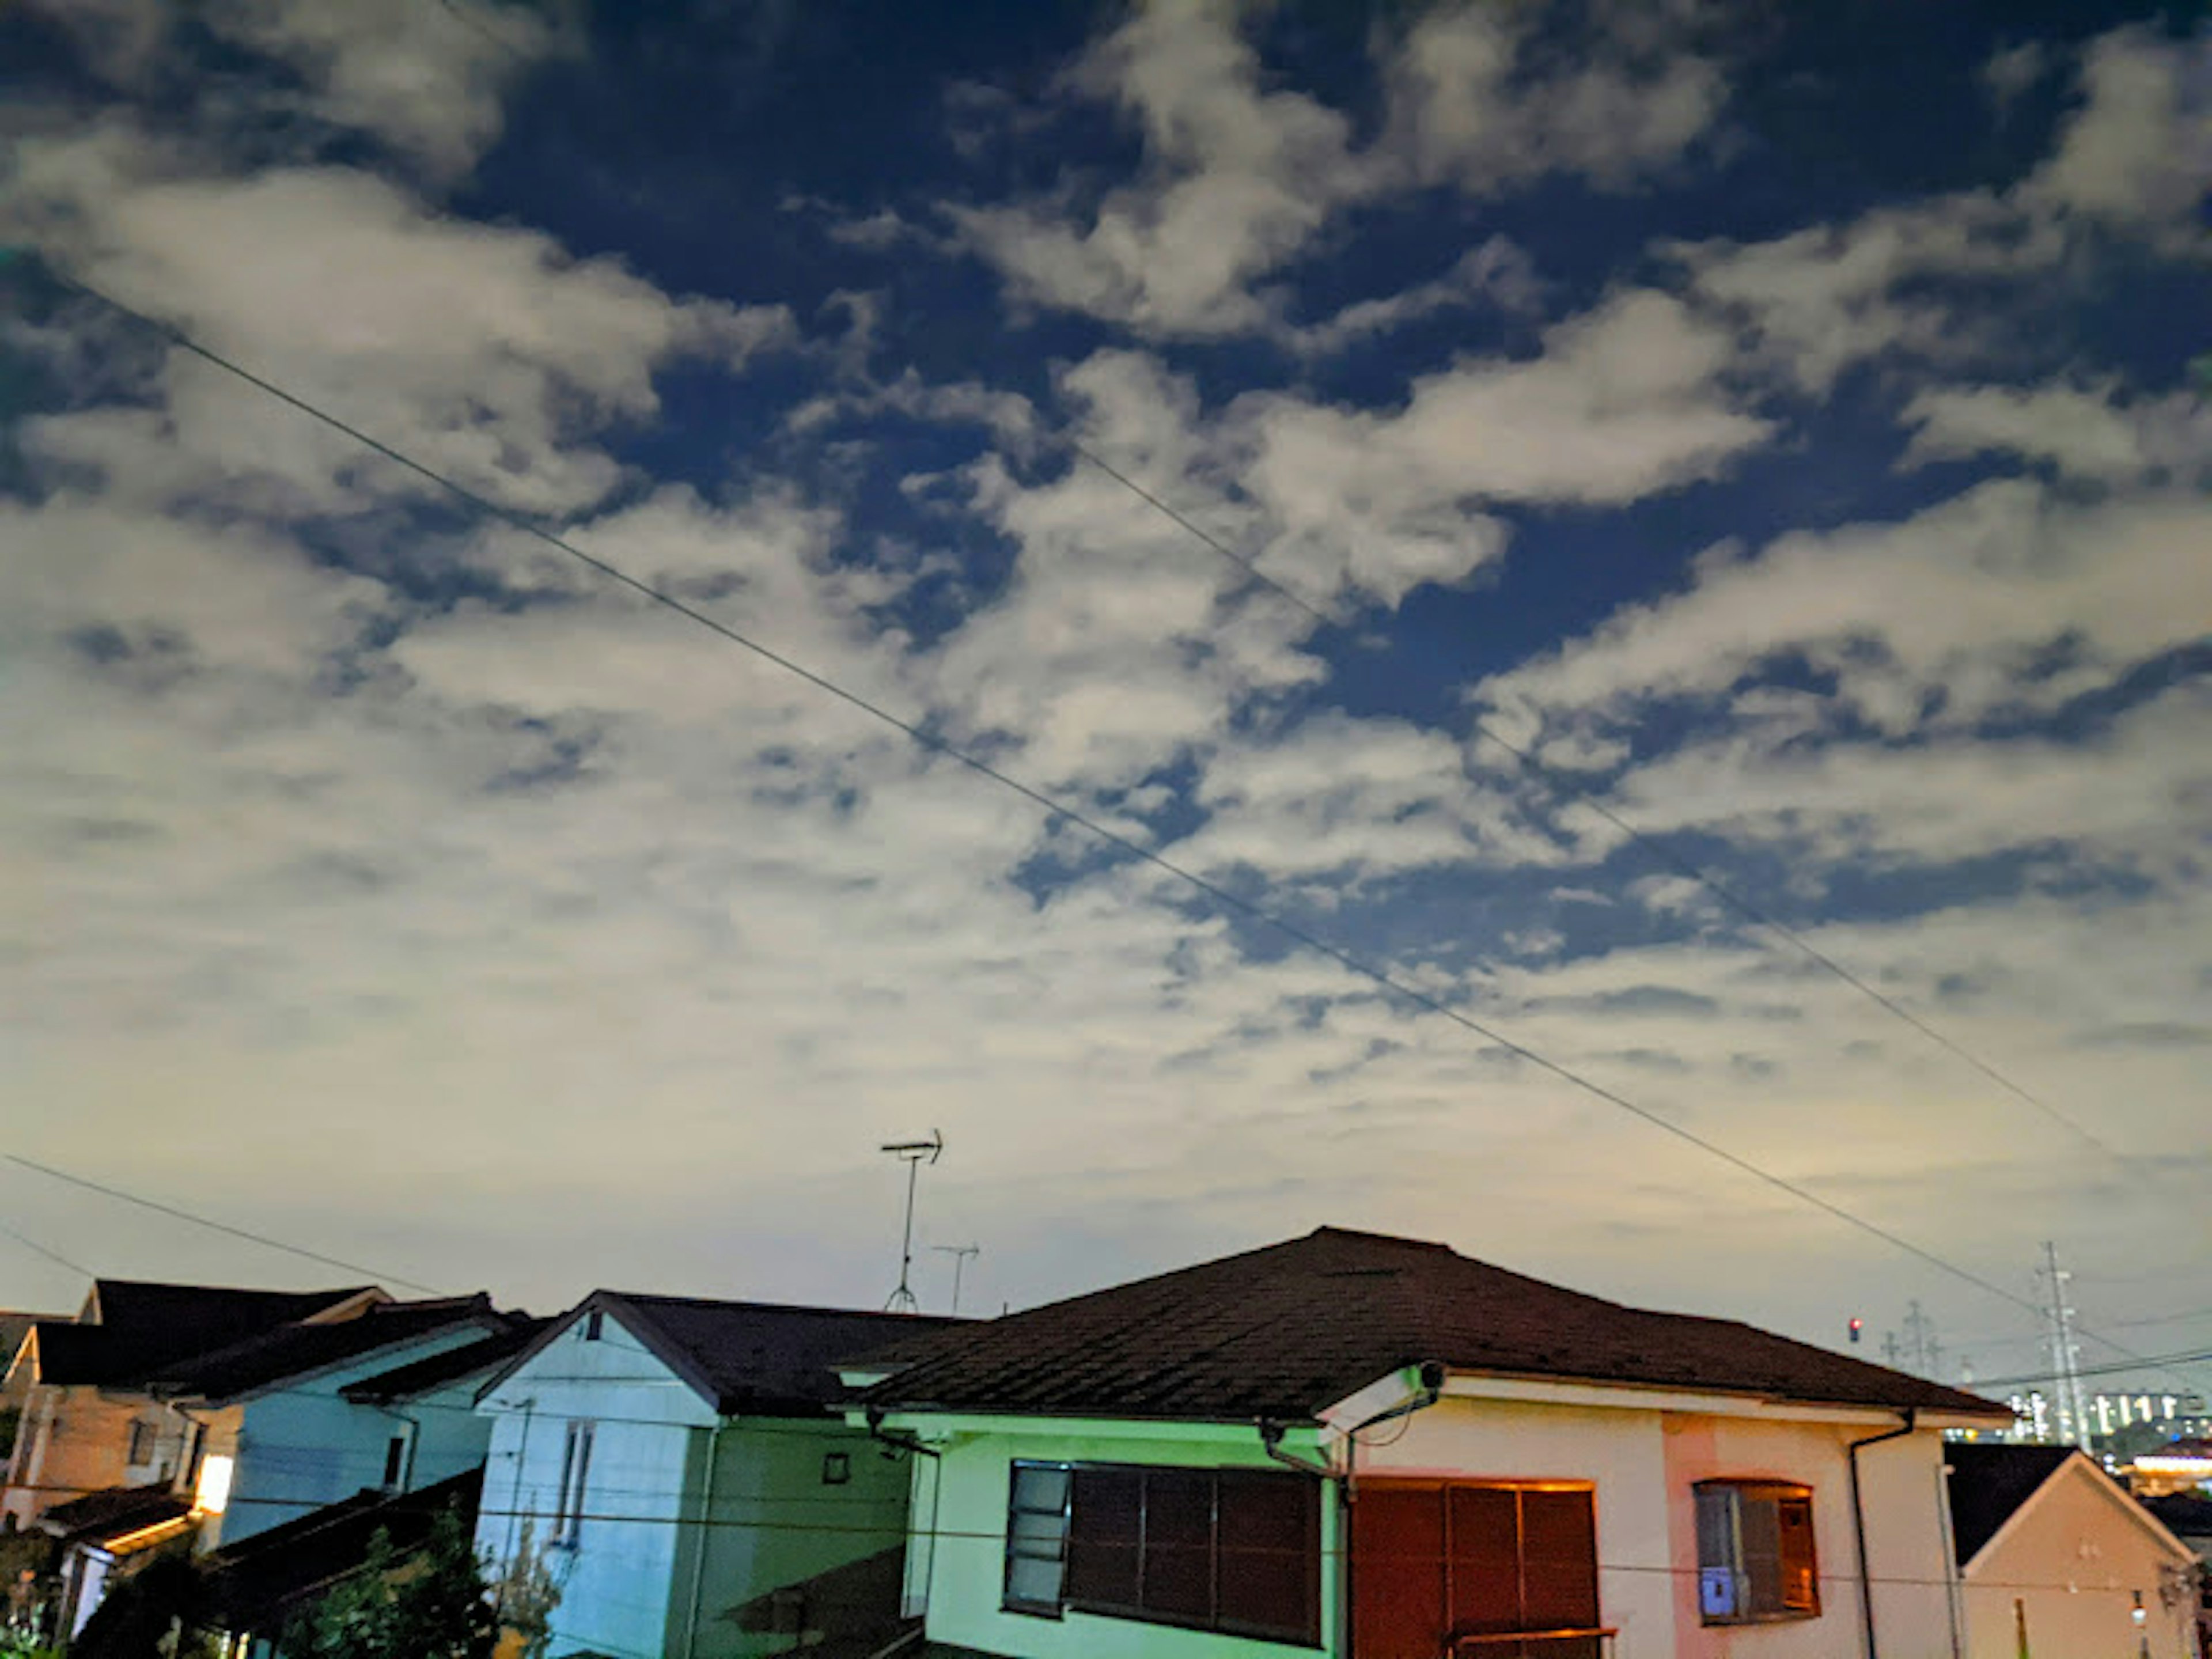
(213, 1493)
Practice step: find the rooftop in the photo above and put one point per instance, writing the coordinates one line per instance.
(132, 1328)
(1989, 1482)
(752, 1359)
(298, 1350)
(439, 1370)
(1286, 1331)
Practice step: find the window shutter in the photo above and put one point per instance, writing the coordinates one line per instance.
(1268, 1558)
(1106, 1528)
(1178, 1549)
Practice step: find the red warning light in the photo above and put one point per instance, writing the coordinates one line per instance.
(1856, 1328)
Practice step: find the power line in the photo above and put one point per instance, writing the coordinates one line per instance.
(1055, 810)
(160, 1208)
(2109, 1367)
(1581, 794)
(997, 1535)
(55, 1257)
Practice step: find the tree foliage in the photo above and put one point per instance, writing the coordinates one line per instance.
(431, 1603)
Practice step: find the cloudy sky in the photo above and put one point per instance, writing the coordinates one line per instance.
(1790, 437)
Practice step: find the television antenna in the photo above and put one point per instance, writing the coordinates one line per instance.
(913, 1154)
(959, 1253)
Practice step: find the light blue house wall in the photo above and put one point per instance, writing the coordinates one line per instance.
(301, 1444)
(669, 1563)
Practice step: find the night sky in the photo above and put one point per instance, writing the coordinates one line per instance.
(1785, 426)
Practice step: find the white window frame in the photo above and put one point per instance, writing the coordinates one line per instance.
(576, 1479)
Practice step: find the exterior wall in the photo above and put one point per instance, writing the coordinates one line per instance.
(301, 1445)
(692, 1522)
(2074, 1560)
(1908, 1545)
(1644, 1464)
(618, 1580)
(965, 1562)
(775, 1523)
(76, 1440)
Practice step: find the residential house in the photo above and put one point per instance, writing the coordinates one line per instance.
(2057, 1559)
(1370, 1446)
(2190, 1519)
(14, 1382)
(682, 1466)
(90, 1423)
(286, 1425)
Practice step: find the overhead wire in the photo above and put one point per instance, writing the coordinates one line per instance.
(1533, 766)
(251, 1237)
(1055, 810)
(54, 1257)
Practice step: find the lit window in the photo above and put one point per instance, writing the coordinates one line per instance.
(1755, 1559)
(575, 1476)
(213, 1494)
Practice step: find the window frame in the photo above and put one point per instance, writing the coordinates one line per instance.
(1008, 1600)
(1310, 1636)
(1781, 1494)
(576, 1445)
(145, 1444)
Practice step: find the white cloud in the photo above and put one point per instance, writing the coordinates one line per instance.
(1625, 401)
(1237, 179)
(486, 351)
(1957, 604)
(2129, 162)
(428, 77)
(1472, 103)
(1496, 272)
(2084, 433)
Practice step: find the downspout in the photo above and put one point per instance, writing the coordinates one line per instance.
(911, 1443)
(706, 1536)
(1858, 1523)
(1271, 1441)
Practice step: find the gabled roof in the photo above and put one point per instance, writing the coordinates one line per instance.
(744, 1358)
(130, 1327)
(294, 1351)
(1287, 1331)
(1990, 1483)
(14, 1328)
(254, 1583)
(441, 1371)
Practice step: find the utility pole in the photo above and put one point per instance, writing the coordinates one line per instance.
(2065, 1353)
(959, 1253)
(1920, 1332)
(913, 1154)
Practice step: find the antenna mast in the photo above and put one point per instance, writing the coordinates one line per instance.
(959, 1253)
(913, 1154)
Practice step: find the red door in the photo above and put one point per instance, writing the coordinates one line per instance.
(1434, 1562)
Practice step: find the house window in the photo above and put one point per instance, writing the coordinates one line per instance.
(575, 1476)
(395, 1462)
(143, 1439)
(1236, 1551)
(1755, 1560)
(1435, 1563)
(593, 1322)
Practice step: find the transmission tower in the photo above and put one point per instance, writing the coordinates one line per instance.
(2073, 1404)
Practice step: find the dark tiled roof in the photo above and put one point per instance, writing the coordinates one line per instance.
(1286, 1331)
(2184, 1516)
(440, 1370)
(1988, 1483)
(143, 1326)
(293, 1351)
(254, 1584)
(754, 1359)
(112, 1513)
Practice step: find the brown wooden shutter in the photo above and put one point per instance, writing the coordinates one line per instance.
(1178, 1549)
(1398, 1573)
(1268, 1565)
(1104, 1526)
(1484, 1530)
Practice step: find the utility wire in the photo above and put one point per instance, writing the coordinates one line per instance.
(213, 1226)
(55, 1257)
(1055, 809)
(1574, 790)
(2111, 1368)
